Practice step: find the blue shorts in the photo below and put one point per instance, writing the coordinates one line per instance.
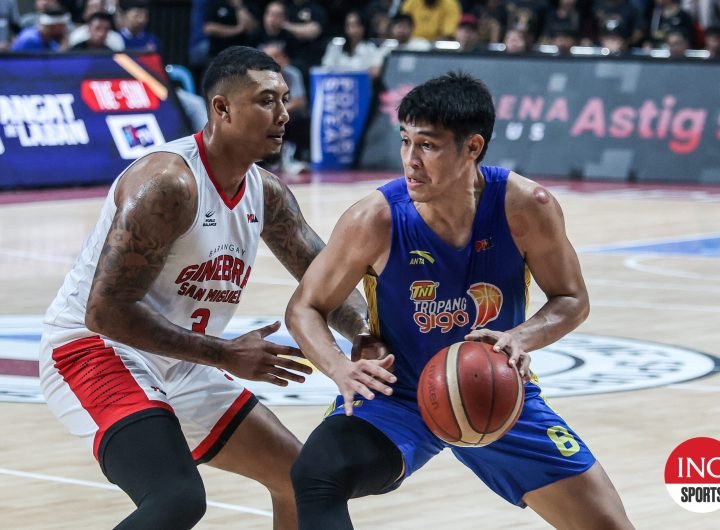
(539, 450)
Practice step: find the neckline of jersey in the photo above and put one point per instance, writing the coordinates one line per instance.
(230, 203)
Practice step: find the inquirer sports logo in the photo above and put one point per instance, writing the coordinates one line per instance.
(692, 474)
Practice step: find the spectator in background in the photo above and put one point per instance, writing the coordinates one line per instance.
(273, 29)
(229, 23)
(516, 41)
(136, 16)
(564, 40)
(296, 142)
(467, 34)
(99, 25)
(380, 14)
(9, 23)
(565, 18)
(492, 19)
(528, 16)
(401, 30)
(618, 15)
(114, 40)
(305, 20)
(615, 41)
(667, 17)
(199, 45)
(434, 19)
(712, 42)
(41, 6)
(50, 34)
(705, 13)
(353, 52)
(677, 44)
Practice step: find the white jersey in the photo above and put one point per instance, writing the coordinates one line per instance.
(207, 267)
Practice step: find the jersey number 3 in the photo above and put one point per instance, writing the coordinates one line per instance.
(203, 317)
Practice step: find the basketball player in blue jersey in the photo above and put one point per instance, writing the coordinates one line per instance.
(132, 360)
(446, 253)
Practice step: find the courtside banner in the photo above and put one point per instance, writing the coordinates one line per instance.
(80, 119)
(583, 117)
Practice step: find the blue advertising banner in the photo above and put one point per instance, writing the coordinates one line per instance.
(81, 119)
(340, 106)
(591, 118)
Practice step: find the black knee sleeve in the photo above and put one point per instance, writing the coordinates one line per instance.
(344, 458)
(147, 456)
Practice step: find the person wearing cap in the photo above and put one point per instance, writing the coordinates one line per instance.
(467, 34)
(49, 35)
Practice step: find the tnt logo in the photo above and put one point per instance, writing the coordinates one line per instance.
(692, 474)
(251, 218)
(423, 290)
(138, 136)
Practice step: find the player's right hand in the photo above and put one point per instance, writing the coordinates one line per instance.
(362, 377)
(252, 357)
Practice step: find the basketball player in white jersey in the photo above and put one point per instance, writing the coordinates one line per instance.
(131, 360)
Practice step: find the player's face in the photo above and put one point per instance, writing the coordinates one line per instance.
(432, 160)
(257, 114)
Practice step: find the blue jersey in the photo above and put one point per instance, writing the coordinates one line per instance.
(431, 294)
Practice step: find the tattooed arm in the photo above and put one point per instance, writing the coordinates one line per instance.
(156, 203)
(295, 244)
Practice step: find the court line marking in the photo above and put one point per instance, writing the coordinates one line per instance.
(652, 286)
(636, 263)
(694, 388)
(112, 487)
(615, 247)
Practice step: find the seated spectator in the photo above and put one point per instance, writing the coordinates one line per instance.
(99, 25)
(199, 46)
(492, 20)
(615, 41)
(467, 35)
(229, 23)
(564, 40)
(618, 15)
(380, 14)
(712, 42)
(434, 19)
(114, 40)
(306, 21)
(273, 29)
(667, 17)
(9, 23)
(136, 15)
(565, 18)
(516, 41)
(41, 6)
(526, 15)
(677, 43)
(353, 52)
(401, 30)
(49, 35)
(296, 142)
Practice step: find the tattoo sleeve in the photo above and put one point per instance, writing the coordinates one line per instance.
(295, 244)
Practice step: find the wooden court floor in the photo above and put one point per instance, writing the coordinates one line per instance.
(48, 480)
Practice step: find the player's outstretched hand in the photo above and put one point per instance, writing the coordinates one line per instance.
(362, 377)
(506, 342)
(252, 357)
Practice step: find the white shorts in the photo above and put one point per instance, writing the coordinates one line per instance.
(91, 384)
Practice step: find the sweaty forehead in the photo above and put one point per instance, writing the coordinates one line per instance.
(424, 128)
(263, 80)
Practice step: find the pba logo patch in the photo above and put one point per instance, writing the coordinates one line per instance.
(134, 134)
(692, 474)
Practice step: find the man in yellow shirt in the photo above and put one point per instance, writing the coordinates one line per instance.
(434, 19)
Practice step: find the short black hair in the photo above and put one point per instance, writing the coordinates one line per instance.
(232, 64)
(402, 17)
(101, 15)
(456, 101)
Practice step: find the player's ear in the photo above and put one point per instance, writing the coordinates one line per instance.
(475, 145)
(219, 107)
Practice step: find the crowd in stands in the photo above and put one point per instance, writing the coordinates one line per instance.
(358, 34)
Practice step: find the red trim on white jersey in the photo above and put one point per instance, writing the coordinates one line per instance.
(230, 203)
(212, 438)
(102, 383)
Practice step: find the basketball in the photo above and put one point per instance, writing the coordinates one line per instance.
(468, 394)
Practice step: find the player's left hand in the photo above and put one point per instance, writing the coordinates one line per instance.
(505, 342)
(366, 346)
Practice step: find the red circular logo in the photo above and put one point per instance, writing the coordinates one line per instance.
(692, 474)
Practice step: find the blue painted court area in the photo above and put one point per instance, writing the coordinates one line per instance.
(699, 246)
